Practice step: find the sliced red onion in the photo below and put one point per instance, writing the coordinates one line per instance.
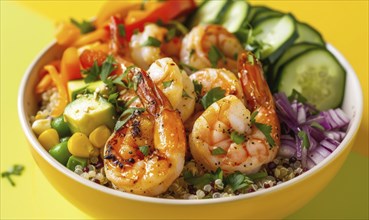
(310, 164)
(316, 157)
(335, 135)
(329, 144)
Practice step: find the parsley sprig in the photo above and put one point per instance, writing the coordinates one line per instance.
(14, 170)
(200, 181)
(84, 26)
(212, 96)
(265, 129)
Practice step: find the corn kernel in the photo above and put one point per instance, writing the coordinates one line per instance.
(79, 145)
(41, 125)
(49, 138)
(99, 136)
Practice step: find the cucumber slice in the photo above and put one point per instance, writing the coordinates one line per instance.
(208, 12)
(288, 54)
(265, 14)
(317, 75)
(276, 34)
(254, 10)
(308, 34)
(231, 22)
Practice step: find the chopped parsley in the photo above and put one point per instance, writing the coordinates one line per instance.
(121, 30)
(237, 181)
(215, 55)
(198, 88)
(304, 139)
(126, 116)
(296, 95)
(84, 27)
(250, 59)
(200, 181)
(144, 150)
(14, 170)
(265, 129)
(102, 71)
(170, 34)
(152, 42)
(218, 151)
(237, 137)
(166, 84)
(212, 96)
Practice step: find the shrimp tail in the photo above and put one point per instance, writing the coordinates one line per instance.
(254, 85)
(149, 94)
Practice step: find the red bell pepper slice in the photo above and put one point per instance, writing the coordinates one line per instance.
(166, 12)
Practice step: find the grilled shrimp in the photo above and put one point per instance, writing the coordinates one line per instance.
(146, 154)
(143, 55)
(197, 44)
(175, 84)
(225, 136)
(210, 78)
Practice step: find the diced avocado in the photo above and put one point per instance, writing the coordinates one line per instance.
(76, 87)
(88, 112)
(73, 161)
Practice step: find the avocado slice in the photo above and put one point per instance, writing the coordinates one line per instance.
(88, 112)
(76, 87)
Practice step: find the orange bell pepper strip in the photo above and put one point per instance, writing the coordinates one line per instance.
(70, 66)
(62, 91)
(98, 34)
(67, 34)
(44, 84)
(165, 12)
(112, 8)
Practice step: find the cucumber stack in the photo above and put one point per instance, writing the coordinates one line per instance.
(293, 53)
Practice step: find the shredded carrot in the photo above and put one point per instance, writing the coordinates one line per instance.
(70, 66)
(67, 34)
(63, 96)
(44, 84)
(91, 37)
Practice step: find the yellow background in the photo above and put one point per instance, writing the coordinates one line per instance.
(28, 26)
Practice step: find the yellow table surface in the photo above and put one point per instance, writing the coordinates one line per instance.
(28, 26)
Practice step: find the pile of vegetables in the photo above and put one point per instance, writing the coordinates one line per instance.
(295, 59)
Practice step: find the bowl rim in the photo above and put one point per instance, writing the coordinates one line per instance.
(355, 124)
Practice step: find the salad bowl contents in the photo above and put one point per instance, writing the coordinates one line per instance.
(177, 105)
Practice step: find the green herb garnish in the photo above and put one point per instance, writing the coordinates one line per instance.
(166, 84)
(214, 56)
(14, 170)
(84, 27)
(258, 175)
(237, 181)
(197, 88)
(92, 73)
(103, 71)
(121, 30)
(200, 181)
(151, 42)
(250, 59)
(296, 95)
(265, 129)
(305, 139)
(212, 96)
(126, 116)
(218, 151)
(170, 34)
(144, 149)
(237, 137)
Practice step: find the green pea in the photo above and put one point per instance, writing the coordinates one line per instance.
(60, 152)
(60, 126)
(73, 161)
